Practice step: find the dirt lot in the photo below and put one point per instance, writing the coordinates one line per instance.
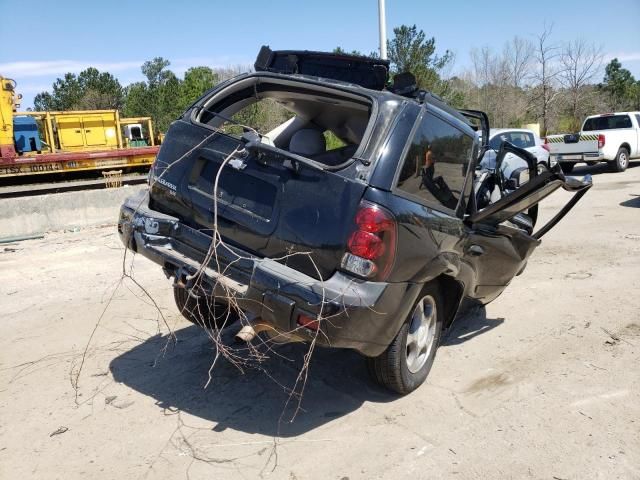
(543, 384)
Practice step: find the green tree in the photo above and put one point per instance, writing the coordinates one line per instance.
(156, 71)
(634, 96)
(358, 53)
(164, 96)
(65, 95)
(158, 97)
(43, 101)
(411, 51)
(197, 80)
(137, 100)
(90, 89)
(619, 84)
(100, 90)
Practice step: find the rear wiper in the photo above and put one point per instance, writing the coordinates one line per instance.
(262, 151)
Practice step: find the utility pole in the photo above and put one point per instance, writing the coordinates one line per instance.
(382, 26)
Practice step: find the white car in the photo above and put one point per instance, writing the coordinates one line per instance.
(520, 137)
(611, 137)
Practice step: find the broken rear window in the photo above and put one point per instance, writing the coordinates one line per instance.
(318, 123)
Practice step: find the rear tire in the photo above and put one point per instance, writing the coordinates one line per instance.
(405, 364)
(621, 161)
(567, 167)
(203, 311)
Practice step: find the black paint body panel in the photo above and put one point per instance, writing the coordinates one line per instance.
(287, 228)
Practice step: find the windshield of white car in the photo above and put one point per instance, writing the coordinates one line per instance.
(519, 139)
(610, 122)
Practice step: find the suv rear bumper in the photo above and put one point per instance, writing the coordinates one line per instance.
(356, 314)
(578, 157)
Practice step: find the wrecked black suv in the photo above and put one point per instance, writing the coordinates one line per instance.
(361, 219)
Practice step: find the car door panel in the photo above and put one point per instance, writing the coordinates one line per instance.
(496, 255)
(529, 195)
(430, 239)
(495, 247)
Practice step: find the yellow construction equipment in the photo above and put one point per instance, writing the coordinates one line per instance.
(45, 142)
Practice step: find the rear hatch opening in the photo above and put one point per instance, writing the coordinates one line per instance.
(300, 216)
(315, 122)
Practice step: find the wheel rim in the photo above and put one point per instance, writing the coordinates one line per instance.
(623, 159)
(422, 334)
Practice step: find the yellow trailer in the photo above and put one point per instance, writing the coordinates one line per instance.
(49, 142)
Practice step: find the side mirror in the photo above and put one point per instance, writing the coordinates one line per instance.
(518, 177)
(529, 159)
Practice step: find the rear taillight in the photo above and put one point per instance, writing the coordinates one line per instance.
(601, 141)
(546, 146)
(308, 322)
(372, 245)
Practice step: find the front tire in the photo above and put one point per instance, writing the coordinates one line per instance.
(621, 161)
(202, 311)
(567, 167)
(405, 364)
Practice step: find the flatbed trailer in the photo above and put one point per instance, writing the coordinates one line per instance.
(57, 142)
(123, 158)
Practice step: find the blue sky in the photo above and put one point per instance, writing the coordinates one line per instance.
(119, 35)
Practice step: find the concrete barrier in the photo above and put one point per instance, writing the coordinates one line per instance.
(61, 211)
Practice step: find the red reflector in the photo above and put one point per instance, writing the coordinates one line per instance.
(371, 219)
(308, 322)
(366, 245)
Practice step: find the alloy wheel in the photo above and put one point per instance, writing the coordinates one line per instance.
(422, 333)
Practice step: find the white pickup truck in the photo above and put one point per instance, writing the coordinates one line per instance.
(611, 137)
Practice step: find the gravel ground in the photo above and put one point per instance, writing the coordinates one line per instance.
(543, 383)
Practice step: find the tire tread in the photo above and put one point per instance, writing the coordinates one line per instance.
(387, 368)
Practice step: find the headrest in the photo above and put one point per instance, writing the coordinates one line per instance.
(307, 142)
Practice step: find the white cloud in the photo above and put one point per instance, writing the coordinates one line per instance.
(60, 67)
(624, 56)
(37, 76)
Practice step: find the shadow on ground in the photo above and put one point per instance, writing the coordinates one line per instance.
(599, 168)
(252, 401)
(632, 202)
(470, 324)
(255, 400)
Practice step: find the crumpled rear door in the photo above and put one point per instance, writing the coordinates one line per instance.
(496, 247)
(529, 195)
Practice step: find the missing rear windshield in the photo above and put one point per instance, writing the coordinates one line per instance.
(318, 124)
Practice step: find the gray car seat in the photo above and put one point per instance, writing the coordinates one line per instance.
(307, 142)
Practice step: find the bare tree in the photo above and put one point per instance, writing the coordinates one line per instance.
(534, 81)
(518, 55)
(581, 62)
(482, 60)
(546, 75)
(495, 76)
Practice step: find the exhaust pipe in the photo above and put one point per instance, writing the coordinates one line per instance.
(256, 325)
(246, 334)
(253, 326)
